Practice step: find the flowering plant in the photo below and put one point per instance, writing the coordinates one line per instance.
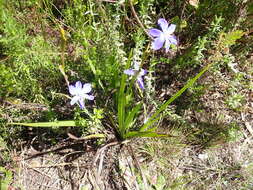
(126, 121)
(140, 73)
(79, 93)
(164, 36)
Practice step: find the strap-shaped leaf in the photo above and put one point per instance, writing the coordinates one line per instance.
(48, 124)
(130, 119)
(133, 134)
(122, 99)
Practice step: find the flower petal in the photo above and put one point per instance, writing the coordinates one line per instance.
(143, 72)
(155, 32)
(140, 83)
(78, 85)
(86, 88)
(136, 66)
(72, 90)
(163, 24)
(74, 100)
(171, 29)
(158, 43)
(89, 97)
(129, 72)
(172, 39)
(81, 103)
(167, 45)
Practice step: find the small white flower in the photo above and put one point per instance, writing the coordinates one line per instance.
(79, 93)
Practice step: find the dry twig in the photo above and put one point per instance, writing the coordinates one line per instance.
(137, 19)
(130, 149)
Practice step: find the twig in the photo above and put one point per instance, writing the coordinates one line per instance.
(60, 165)
(99, 154)
(101, 164)
(137, 18)
(182, 12)
(50, 166)
(101, 150)
(4, 58)
(92, 181)
(50, 151)
(94, 136)
(130, 149)
(40, 172)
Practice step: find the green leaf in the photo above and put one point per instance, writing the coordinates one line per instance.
(131, 117)
(122, 99)
(250, 8)
(183, 24)
(231, 37)
(92, 67)
(48, 124)
(121, 104)
(5, 178)
(133, 134)
(154, 117)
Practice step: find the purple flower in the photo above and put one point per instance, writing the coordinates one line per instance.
(140, 72)
(163, 36)
(79, 93)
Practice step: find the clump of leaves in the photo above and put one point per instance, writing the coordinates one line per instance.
(5, 178)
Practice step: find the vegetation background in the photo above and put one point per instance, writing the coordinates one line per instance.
(44, 44)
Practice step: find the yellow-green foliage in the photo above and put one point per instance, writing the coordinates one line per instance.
(229, 39)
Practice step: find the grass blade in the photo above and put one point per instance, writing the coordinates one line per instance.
(122, 100)
(133, 134)
(48, 124)
(130, 117)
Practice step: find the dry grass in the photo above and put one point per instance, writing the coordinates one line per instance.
(74, 166)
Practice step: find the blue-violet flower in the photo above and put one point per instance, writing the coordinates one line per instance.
(164, 36)
(79, 93)
(136, 70)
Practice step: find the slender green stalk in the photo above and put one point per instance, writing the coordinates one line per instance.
(122, 128)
